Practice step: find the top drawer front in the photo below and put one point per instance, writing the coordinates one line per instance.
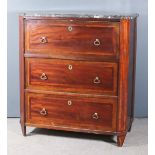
(61, 39)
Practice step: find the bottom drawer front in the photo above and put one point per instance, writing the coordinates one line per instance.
(71, 111)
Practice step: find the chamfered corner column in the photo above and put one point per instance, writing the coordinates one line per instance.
(123, 78)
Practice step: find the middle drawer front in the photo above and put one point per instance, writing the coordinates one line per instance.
(71, 76)
(71, 111)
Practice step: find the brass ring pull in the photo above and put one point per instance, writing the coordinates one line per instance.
(97, 42)
(70, 67)
(95, 116)
(43, 40)
(97, 80)
(43, 76)
(69, 102)
(43, 112)
(70, 28)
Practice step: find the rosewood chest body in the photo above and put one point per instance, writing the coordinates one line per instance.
(77, 72)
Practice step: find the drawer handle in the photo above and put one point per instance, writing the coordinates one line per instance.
(95, 116)
(43, 112)
(43, 40)
(69, 102)
(43, 76)
(97, 42)
(70, 67)
(97, 80)
(70, 28)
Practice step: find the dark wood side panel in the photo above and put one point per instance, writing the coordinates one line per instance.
(71, 76)
(131, 76)
(134, 66)
(21, 69)
(72, 111)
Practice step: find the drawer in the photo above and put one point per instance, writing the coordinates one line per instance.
(64, 39)
(70, 111)
(71, 76)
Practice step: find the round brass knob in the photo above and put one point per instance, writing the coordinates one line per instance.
(43, 112)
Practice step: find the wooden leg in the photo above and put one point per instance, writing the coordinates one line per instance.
(24, 130)
(23, 127)
(120, 140)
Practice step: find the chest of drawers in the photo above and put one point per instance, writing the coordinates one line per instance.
(77, 73)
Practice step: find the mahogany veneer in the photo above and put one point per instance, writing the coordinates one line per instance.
(78, 74)
(83, 77)
(79, 41)
(87, 113)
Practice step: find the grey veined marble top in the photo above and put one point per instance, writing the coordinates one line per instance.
(80, 14)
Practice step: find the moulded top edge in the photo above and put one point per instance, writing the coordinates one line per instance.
(79, 14)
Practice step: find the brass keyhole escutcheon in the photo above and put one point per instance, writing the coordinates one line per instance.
(70, 28)
(69, 102)
(70, 67)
